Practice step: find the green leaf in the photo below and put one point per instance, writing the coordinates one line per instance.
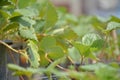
(43, 61)
(84, 50)
(69, 34)
(4, 13)
(15, 67)
(50, 20)
(34, 57)
(39, 26)
(61, 42)
(55, 52)
(19, 71)
(107, 73)
(114, 18)
(15, 14)
(88, 39)
(13, 1)
(74, 54)
(28, 12)
(25, 3)
(112, 25)
(25, 21)
(11, 26)
(27, 33)
(98, 44)
(76, 75)
(47, 42)
(71, 18)
(3, 21)
(4, 2)
(93, 67)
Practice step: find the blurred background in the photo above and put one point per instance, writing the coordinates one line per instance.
(102, 8)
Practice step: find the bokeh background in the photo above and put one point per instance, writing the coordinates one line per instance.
(103, 8)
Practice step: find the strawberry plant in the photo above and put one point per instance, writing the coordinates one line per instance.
(59, 45)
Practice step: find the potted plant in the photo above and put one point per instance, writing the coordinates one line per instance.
(58, 45)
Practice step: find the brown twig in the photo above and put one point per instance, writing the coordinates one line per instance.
(70, 59)
(21, 78)
(14, 50)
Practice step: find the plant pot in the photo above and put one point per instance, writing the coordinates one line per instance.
(8, 56)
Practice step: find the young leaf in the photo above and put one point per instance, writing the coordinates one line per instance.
(112, 25)
(27, 33)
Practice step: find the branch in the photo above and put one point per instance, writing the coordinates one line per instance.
(9, 47)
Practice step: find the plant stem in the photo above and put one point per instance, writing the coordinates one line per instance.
(46, 56)
(82, 58)
(9, 47)
(70, 59)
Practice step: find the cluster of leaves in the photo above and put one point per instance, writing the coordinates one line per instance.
(55, 38)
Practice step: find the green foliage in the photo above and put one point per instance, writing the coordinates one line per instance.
(25, 3)
(47, 42)
(88, 39)
(50, 20)
(60, 43)
(112, 25)
(33, 54)
(27, 33)
(4, 2)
